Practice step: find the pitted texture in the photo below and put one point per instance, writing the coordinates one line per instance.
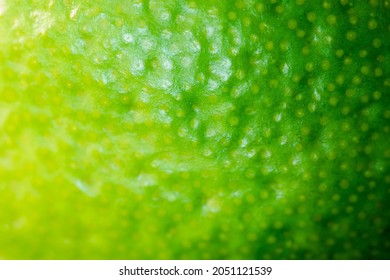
(192, 129)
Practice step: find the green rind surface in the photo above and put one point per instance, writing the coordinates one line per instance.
(194, 130)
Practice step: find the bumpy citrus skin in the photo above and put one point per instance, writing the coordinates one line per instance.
(194, 129)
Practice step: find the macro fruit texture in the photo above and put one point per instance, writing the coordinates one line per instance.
(194, 129)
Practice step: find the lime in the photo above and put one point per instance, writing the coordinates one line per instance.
(185, 129)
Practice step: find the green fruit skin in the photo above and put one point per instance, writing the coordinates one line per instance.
(194, 129)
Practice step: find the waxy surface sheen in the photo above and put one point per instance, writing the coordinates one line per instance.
(194, 129)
